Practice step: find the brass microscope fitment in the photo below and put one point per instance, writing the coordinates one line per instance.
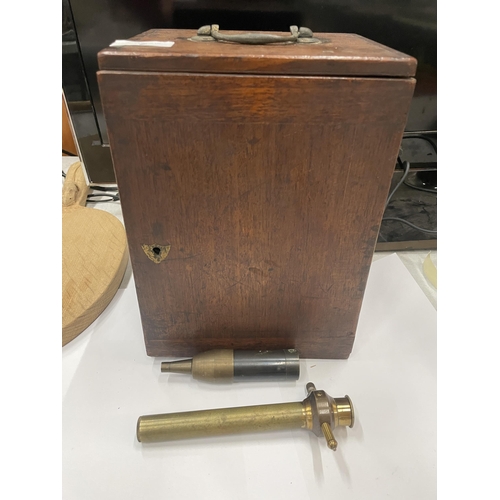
(318, 413)
(226, 365)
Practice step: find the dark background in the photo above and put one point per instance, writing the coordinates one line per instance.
(90, 25)
(405, 25)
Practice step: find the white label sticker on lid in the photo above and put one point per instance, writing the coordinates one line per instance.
(132, 43)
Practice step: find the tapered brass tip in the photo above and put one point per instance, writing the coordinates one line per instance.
(181, 366)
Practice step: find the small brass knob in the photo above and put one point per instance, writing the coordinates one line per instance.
(310, 387)
(327, 432)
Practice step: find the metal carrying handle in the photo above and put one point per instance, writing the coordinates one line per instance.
(255, 38)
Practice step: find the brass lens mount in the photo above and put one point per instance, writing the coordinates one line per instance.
(326, 413)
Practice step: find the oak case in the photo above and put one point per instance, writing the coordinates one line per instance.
(262, 172)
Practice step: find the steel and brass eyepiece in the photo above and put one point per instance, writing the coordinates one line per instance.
(226, 365)
(318, 413)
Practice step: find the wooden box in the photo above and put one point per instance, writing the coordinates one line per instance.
(253, 180)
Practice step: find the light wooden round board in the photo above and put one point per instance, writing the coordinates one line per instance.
(94, 257)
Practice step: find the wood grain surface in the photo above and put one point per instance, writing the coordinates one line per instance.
(94, 257)
(339, 54)
(269, 191)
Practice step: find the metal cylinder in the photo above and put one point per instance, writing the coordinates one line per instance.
(318, 413)
(224, 365)
(172, 426)
(278, 365)
(343, 411)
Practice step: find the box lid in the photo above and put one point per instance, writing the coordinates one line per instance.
(336, 54)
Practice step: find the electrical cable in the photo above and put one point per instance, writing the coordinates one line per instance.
(427, 190)
(111, 197)
(105, 189)
(430, 231)
(423, 137)
(110, 193)
(434, 146)
(406, 166)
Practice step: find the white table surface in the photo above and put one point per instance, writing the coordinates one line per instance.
(109, 381)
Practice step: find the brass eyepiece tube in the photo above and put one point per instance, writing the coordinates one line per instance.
(318, 413)
(219, 422)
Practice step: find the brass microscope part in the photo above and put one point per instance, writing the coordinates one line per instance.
(318, 413)
(211, 365)
(226, 365)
